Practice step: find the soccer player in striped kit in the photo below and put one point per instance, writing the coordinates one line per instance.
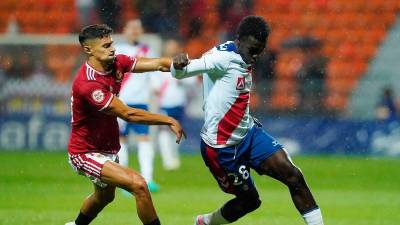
(232, 141)
(172, 99)
(135, 92)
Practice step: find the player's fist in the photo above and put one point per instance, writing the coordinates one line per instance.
(181, 60)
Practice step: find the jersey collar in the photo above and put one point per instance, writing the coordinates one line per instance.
(98, 72)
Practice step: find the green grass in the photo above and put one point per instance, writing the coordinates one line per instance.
(41, 188)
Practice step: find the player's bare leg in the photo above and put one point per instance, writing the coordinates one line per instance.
(281, 167)
(232, 210)
(128, 179)
(94, 203)
(168, 149)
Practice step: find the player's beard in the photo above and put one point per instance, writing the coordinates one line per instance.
(110, 59)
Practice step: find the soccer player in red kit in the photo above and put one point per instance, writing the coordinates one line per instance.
(94, 141)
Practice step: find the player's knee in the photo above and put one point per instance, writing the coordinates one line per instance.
(137, 185)
(251, 201)
(252, 204)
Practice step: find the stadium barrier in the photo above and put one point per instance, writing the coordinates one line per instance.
(298, 135)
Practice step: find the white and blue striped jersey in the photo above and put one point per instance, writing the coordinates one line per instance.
(226, 92)
(172, 92)
(136, 88)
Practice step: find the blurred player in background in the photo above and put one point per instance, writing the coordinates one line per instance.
(135, 92)
(172, 98)
(94, 143)
(232, 140)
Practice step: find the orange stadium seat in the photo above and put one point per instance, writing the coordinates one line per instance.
(336, 70)
(366, 51)
(284, 100)
(337, 6)
(336, 101)
(129, 11)
(319, 5)
(350, 32)
(344, 84)
(255, 100)
(389, 6)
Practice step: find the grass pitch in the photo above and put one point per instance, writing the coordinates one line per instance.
(41, 188)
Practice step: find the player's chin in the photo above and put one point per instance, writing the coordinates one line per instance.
(110, 58)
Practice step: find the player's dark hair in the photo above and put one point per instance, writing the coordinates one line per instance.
(254, 26)
(94, 31)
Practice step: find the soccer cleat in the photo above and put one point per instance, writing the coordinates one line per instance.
(153, 187)
(199, 220)
(70, 223)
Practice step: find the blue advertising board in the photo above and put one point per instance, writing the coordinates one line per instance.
(298, 135)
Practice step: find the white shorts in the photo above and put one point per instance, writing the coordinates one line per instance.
(91, 164)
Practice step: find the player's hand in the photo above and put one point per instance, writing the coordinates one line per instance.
(181, 60)
(178, 130)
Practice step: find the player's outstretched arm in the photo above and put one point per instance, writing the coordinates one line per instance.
(119, 109)
(193, 67)
(152, 64)
(160, 64)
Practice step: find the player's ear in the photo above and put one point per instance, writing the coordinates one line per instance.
(87, 49)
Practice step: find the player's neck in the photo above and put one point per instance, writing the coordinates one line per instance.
(99, 66)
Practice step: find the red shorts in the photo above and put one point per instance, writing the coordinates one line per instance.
(91, 164)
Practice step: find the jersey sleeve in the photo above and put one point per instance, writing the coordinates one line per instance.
(96, 95)
(211, 61)
(127, 63)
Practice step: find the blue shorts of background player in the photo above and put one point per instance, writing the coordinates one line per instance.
(231, 165)
(139, 129)
(177, 112)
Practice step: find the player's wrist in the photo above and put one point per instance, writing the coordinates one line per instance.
(172, 121)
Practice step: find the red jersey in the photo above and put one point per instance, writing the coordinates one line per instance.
(92, 91)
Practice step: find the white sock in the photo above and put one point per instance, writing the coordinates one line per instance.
(123, 154)
(169, 150)
(314, 217)
(146, 158)
(214, 218)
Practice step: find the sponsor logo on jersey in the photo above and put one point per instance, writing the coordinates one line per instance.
(98, 95)
(240, 84)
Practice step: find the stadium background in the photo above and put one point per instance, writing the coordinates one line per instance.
(318, 89)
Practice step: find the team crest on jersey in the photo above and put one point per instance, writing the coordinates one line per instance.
(98, 95)
(240, 85)
(119, 75)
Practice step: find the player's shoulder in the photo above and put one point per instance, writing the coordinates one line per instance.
(225, 50)
(84, 76)
(227, 47)
(222, 54)
(121, 56)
